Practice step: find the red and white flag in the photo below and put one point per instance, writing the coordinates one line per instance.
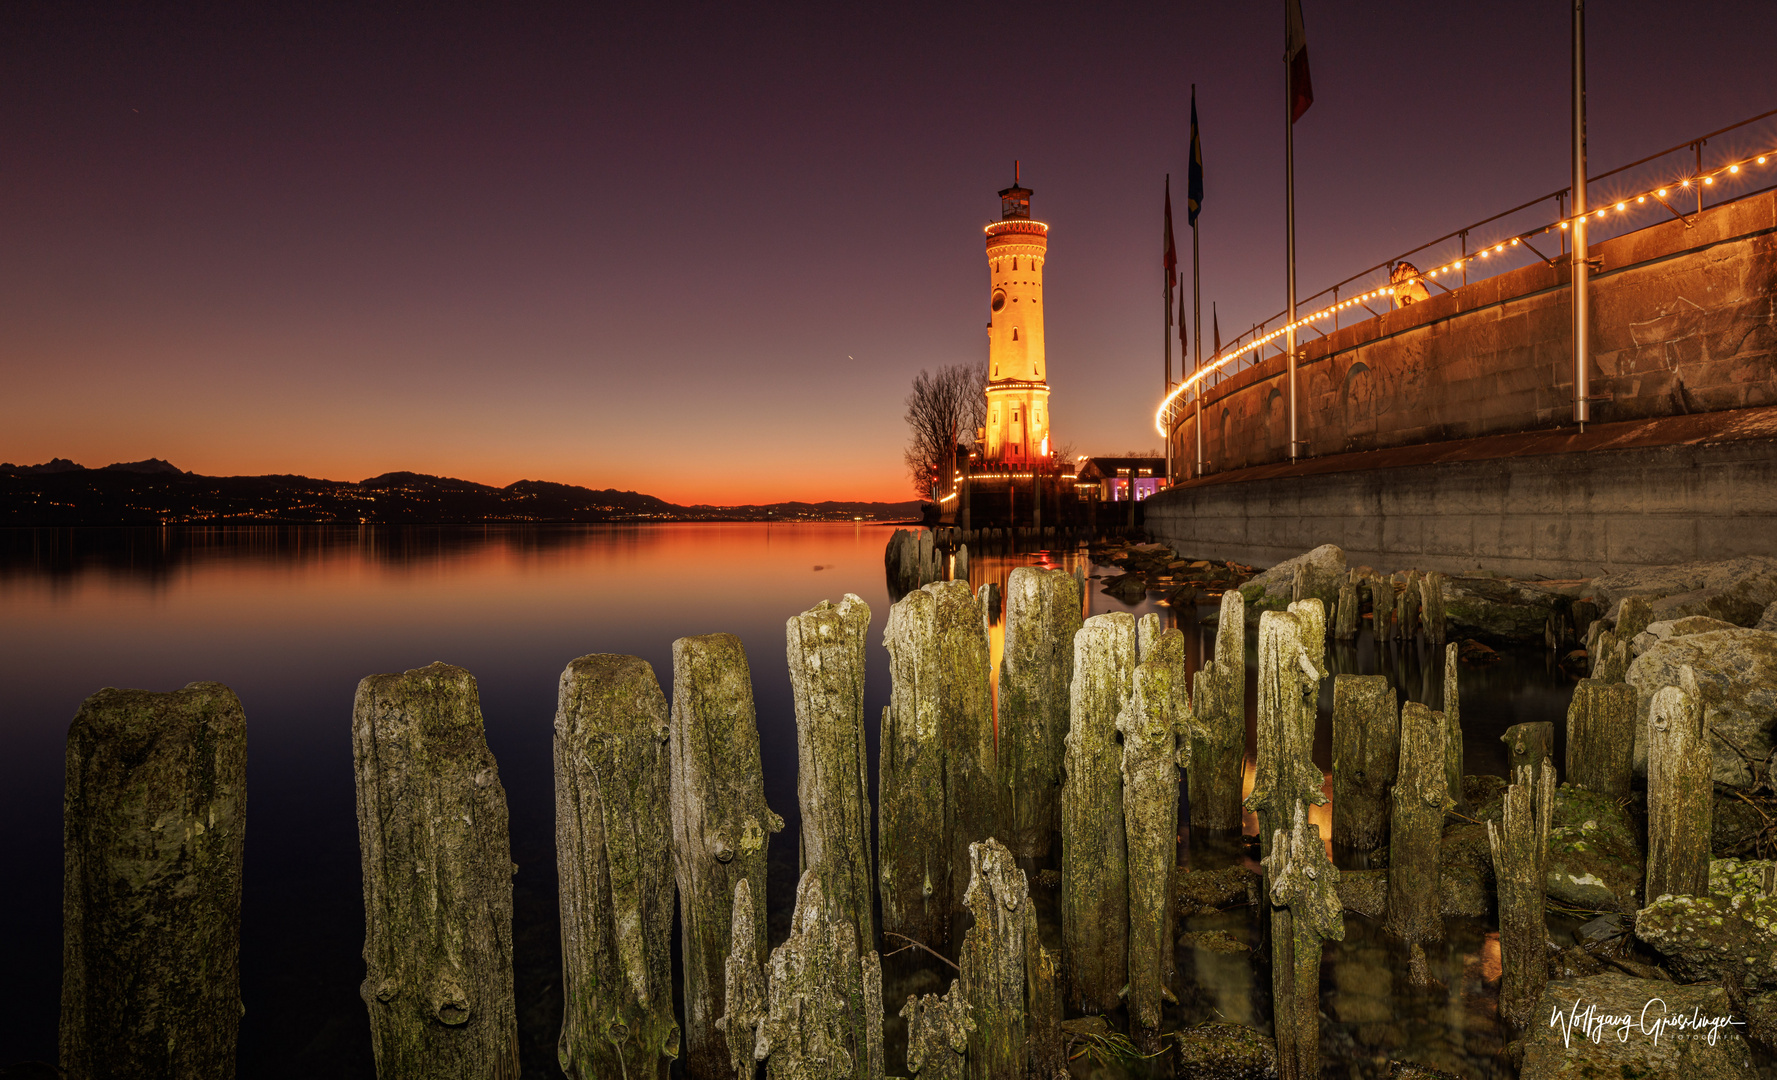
(1295, 54)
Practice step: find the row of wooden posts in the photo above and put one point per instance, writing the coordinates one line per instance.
(656, 801)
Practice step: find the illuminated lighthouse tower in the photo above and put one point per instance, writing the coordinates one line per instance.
(1017, 431)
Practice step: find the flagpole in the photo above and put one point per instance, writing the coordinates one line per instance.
(1166, 323)
(1197, 345)
(1582, 402)
(1289, 220)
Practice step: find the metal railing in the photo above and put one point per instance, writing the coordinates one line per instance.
(1506, 250)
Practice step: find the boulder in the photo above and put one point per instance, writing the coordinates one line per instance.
(1620, 1026)
(1737, 674)
(1734, 590)
(1594, 861)
(1501, 609)
(1727, 934)
(1671, 628)
(1768, 621)
(1225, 1052)
(1273, 590)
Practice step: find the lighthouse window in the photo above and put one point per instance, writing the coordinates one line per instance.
(1014, 333)
(1014, 265)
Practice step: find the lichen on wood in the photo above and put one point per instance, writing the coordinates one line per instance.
(1529, 746)
(1519, 842)
(437, 863)
(815, 1027)
(1452, 719)
(744, 991)
(1601, 737)
(992, 962)
(1610, 658)
(1094, 860)
(1307, 912)
(1366, 751)
(938, 1030)
(1345, 610)
(1218, 750)
(1289, 686)
(825, 653)
(613, 826)
(1679, 792)
(1416, 828)
(153, 827)
(720, 827)
(1431, 607)
(1406, 608)
(1036, 669)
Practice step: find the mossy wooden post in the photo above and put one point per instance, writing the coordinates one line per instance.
(1289, 685)
(720, 827)
(1151, 723)
(437, 879)
(742, 1022)
(1307, 912)
(1601, 737)
(992, 962)
(825, 653)
(938, 1031)
(1218, 751)
(1406, 608)
(973, 783)
(1529, 746)
(1431, 607)
(153, 826)
(1610, 663)
(1345, 610)
(1042, 617)
(1633, 617)
(1520, 843)
(814, 1029)
(613, 830)
(1047, 1057)
(1366, 751)
(959, 570)
(913, 818)
(1679, 792)
(1094, 860)
(1416, 828)
(1452, 718)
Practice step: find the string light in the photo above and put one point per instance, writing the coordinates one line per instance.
(1223, 359)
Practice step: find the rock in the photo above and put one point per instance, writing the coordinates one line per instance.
(1737, 674)
(1768, 621)
(1225, 1052)
(1671, 628)
(1736, 590)
(1594, 861)
(1603, 928)
(1274, 590)
(1476, 654)
(1412, 1070)
(1129, 588)
(1202, 891)
(1606, 1026)
(1729, 933)
(1500, 609)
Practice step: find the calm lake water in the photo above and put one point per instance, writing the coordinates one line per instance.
(291, 619)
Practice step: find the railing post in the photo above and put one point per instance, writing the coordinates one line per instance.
(1582, 405)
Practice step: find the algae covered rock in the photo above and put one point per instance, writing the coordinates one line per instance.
(1732, 932)
(1737, 675)
(1734, 590)
(1225, 1052)
(1671, 628)
(1501, 609)
(1323, 571)
(1620, 1026)
(1594, 861)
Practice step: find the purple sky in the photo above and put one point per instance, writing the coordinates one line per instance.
(701, 251)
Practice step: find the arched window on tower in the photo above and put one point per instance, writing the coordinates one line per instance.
(1014, 333)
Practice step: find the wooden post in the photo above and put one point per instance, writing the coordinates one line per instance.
(1431, 609)
(1218, 751)
(437, 878)
(720, 827)
(825, 653)
(613, 827)
(1679, 792)
(938, 1030)
(1345, 611)
(1520, 844)
(1633, 617)
(992, 962)
(1289, 684)
(742, 1024)
(1094, 868)
(1156, 715)
(1529, 746)
(913, 820)
(816, 1028)
(153, 828)
(1036, 670)
(1610, 663)
(1366, 751)
(1416, 828)
(1601, 737)
(1305, 890)
(1406, 608)
(1452, 718)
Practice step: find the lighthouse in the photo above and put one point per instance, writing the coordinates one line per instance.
(1017, 431)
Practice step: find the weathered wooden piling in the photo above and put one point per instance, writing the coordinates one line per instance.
(1289, 686)
(1157, 714)
(1679, 792)
(1601, 737)
(1610, 661)
(745, 1005)
(938, 1031)
(959, 570)
(1036, 670)
(1529, 746)
(1406, 608)
(1345, 610)
(613, 828)
(437, 879)
(1520, 843)
(1452, 718)
(1416, 828)
(817, 1027)
(993, 962)
(1094, 866)
(1633, 617)
(153, 827)
(1366, 751)
(1431, 607)
(1307, 912)
(824, 649)
(720, 827)
(1218, 749)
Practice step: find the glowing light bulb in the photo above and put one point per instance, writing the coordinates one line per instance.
(1621, 207)
(1641, 198)
(1761, 159)
(1501, 247)
(1733, 168)
(1434, 273)
(1514, 241)
(1685, 183)
(1709, 179)
(1661, 193)
(1564, 224)
(1600, 213)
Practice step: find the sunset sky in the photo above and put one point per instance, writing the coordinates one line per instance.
(701, 250)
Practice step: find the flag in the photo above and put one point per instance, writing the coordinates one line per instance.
(1295, 54)
(1171, 258)
(1194, 179)
(1217, 324)
(1184, 341)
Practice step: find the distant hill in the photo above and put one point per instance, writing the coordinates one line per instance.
(155, 492)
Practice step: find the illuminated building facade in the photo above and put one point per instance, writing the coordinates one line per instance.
(1017, 431)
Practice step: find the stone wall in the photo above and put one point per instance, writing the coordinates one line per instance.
(1682, 322)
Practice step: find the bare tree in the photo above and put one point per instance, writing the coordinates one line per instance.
(943, 412)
